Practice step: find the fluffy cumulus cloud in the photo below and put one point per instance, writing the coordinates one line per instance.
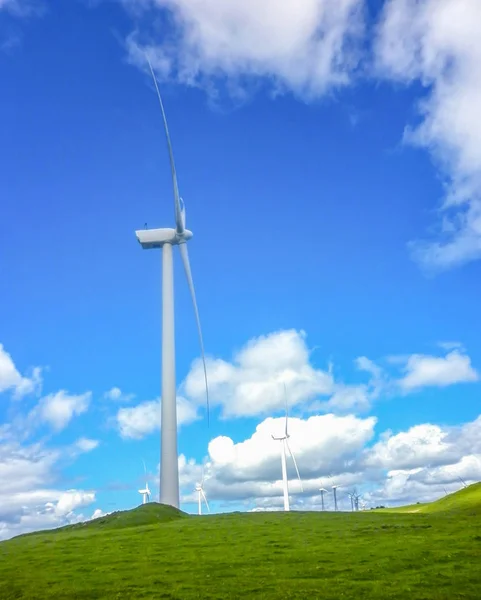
(57, 410)
(12, 380)
(250, 471)
(31, 491)
(29, 497)
(308, 47)
(436, 42)
(252, 383)
(305, 47)
(422, 370)
(142, 420)
(419, 464)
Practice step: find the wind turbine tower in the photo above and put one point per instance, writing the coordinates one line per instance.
(334, 491)
(323, 491)
(165, 239)
(199, 488)
(145, 494)
(285, 447)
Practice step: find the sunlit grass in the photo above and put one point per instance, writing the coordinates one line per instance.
(156, 552)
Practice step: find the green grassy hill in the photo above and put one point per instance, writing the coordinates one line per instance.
(465, 500)
(156, 552)
(146, 514)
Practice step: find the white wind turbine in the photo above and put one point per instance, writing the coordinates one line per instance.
(165, 239)
(199, 488)
(285, 446)
(323, 491)
(334, 491)
(145, 492)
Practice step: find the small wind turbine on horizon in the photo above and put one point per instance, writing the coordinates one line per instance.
(355, 497)
(334, 491)
(285, 446)
(145, 492)
(165, 239)
(199, 488)
(323, 491)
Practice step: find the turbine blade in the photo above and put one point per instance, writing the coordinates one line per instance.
(179, 213)
(295, 464)
(287, 410)
(205, 500)
(185, 259)
(145, 470)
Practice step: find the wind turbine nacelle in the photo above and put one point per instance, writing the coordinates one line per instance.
(156, 238)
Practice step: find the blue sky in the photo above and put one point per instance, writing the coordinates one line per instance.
(333, 187)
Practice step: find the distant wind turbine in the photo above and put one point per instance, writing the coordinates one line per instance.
(285, 446)
(334, 491)
(165, 239)
(323, 491)
(145, 492)
(355, 497)
(199, 488)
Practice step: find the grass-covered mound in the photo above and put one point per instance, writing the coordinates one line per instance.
(305, 556)
(466, 500)
(146, 514)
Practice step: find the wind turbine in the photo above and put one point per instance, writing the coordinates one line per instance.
(145, 492)
(199, 488)
(323, 491)
(355, 497)
(165, 239)
(334, 491)
(285, 446)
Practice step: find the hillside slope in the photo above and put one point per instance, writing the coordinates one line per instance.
(466, 500)
(146, 514)
(296, 556)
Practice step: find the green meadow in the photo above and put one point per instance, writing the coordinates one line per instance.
(424, 551)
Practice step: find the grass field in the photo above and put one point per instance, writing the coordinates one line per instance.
(156, 552)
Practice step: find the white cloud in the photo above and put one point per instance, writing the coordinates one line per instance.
(419, 464)
(115, 394)
(142, 420)
(86, 444)
(29, 499)
(252, 383)
(422, 370)
(98, 512)
(419, 446)
(12, 380)
(437, 42)
(303, 47)
(251, 470)
(71, 500)
(59, 409)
